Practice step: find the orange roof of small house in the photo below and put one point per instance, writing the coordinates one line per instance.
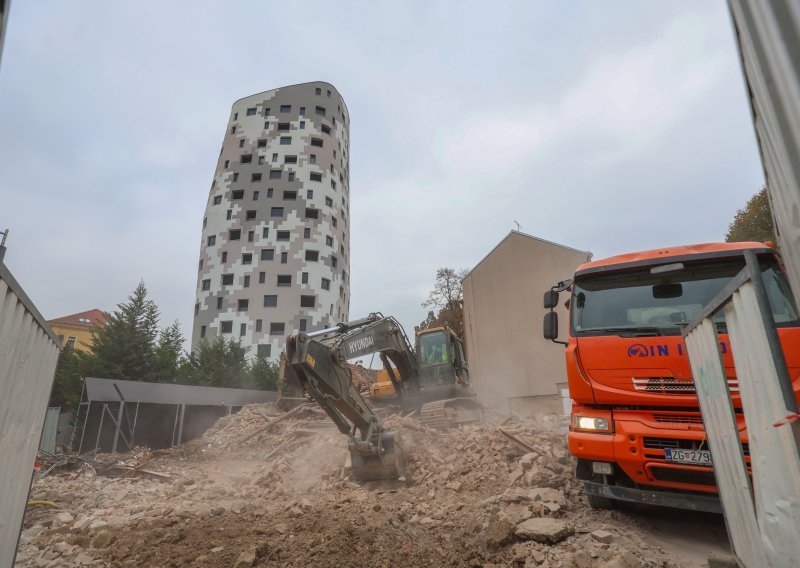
(92, 318)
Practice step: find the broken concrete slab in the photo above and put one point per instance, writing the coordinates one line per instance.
(543, 529)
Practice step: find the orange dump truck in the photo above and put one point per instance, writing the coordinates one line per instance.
(636, 428)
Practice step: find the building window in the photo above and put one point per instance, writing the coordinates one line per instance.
(267, 254)
(265, 232)
(266, 111)
(269, 192)
(227, 162)
(312, 158)
(262, 277)
(315, 176)
(329, 202)
(261, 160)
(227, 279)
(302, 125)
(266, 125)
(234, 234)
(276, 328)
(238, 194)
(290, 159)
(286, 140)
(241, 305)
(241, 143)
(217, 199)
(289, 195)
(247, 281)
(228, 214)
(264, 351)
(276, 212)
(284, 257)
(329, 240)
(316, 142)
(226, 326)
(235, 116)
(283, 235)
(304, 278)
(224, 256)
(201, 265)
(307, 233)
(319, 111)
(312, 255)
(233, 129)
(275, 174)
(291, 176)
(247, 258)
(326, 129)
(258, 326)
(284, 279)
(333, 221)
(286, 108)
(251, 236)
(334, 261)
(255, 178)
(206, 285)
(246, 158)
(310, 194)
(307, 301)
(302, 110)
(317, 91)
(250, 215)
(202, 331)
(303, 325)
(262, 144)
(312, 213)
(271, 301)
(251, 111)
(255, 195)
(283, 126)
(212, 240)
(235, 176)
(242, 329)
(326, 284)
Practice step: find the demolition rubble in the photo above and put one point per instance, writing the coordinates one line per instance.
(269, 488)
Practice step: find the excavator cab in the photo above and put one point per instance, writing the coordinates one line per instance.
(441, 358)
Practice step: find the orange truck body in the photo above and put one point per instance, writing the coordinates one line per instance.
(642, 385)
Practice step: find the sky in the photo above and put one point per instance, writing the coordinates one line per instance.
(605, 126)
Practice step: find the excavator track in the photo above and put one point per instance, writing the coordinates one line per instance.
(451, 412)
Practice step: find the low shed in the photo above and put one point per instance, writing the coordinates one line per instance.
(118, 415)
(512, 367)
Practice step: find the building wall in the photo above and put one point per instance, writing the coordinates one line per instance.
(298, 141)
(512, 366)
(82, 336)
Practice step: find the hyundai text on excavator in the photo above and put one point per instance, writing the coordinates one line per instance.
(636, 428)
(432, 379)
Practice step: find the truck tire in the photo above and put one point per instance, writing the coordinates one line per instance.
(599, 503)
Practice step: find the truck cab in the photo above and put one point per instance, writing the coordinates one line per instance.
(636, 428)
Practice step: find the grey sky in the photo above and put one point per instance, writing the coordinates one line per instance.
(606, 126)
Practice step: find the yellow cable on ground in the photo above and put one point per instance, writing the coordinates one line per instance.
(44, 503)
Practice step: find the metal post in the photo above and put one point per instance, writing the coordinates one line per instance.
(118, 425)
(133, 428)
(77, 415)
(229, 410)
(4, 233)
(180, 427)
(175, 426)
(85, 420)
(100, 428)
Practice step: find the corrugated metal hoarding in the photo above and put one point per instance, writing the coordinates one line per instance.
(28, 357)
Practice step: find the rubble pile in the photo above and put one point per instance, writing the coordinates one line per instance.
(268, 488)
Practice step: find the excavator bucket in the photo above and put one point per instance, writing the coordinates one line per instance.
(391, 464)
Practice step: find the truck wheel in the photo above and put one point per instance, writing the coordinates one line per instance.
(597, 502)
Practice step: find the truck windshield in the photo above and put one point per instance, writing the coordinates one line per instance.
(641, 303)
(433, 348)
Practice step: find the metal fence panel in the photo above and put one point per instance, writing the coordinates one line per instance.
(28, 357)
(723, 438)
(768, 34)
(50, 430)
(773, 449)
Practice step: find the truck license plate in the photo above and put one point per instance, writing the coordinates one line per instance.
(694, 457)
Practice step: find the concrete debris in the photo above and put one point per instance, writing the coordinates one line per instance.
(263, 487)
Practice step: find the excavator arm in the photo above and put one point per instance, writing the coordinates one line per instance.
(317, 362)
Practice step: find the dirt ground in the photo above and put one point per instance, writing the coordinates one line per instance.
(245, 496)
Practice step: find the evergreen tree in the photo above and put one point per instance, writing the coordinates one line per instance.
(754, 222)
(264, 374)
(68, 382)
(125, 348)
(220, 363)
(169, 357)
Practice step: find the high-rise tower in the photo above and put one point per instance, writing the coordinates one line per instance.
(275, 248)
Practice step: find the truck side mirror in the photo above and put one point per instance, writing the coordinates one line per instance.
(550, 328)
(550, 299)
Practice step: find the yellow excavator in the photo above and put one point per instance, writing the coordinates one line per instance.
(432, 379)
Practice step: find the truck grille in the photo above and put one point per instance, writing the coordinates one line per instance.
(671, 418)
(671, 385)
(684, 475)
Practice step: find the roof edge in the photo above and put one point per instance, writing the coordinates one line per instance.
(295, 85)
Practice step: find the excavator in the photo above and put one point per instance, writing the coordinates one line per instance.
(432, 379)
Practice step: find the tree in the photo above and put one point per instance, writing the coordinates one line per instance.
(68, 382)
(754, 222)
(125, 347)
(446, 301)
(220, 363)
(264, 374)
(169, 356)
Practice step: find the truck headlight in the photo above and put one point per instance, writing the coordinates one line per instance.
(591, 423)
